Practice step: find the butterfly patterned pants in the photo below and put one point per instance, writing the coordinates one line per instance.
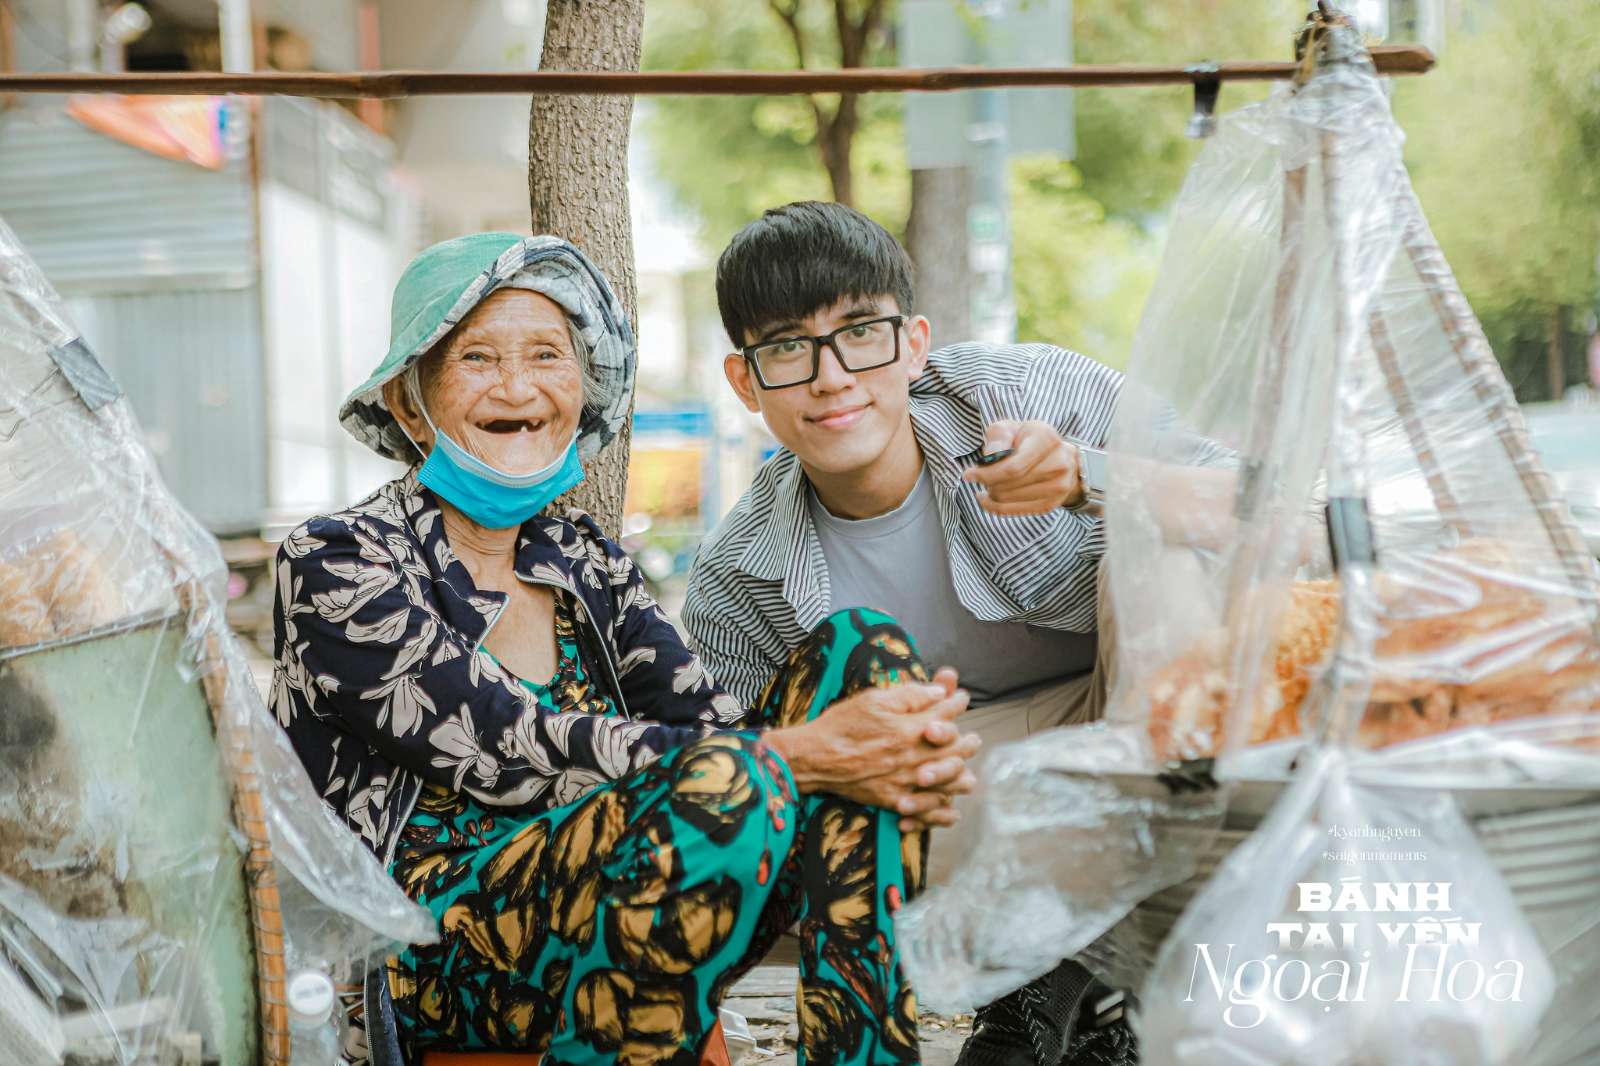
(609, 930)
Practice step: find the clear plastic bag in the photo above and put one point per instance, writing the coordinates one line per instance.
(1544, 751)
(1305, 352)
(1327, 349)
(165, 863)
(1060, 854)
(1358, 924)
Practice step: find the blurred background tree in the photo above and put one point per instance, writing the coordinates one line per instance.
(588, 135)
(727, 158)
(1503, 141)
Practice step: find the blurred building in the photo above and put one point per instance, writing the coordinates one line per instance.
(231, 260)
(228, 259)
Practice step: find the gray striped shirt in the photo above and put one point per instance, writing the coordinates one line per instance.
(760, 583)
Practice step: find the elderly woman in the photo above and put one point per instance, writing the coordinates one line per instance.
(492, 701)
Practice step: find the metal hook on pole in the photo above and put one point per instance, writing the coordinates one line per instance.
(1207, 85)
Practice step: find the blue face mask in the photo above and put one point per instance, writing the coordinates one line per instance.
(493, 498)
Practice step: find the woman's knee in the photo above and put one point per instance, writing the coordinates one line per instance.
(877, 651)
(866, 620)
(722, 780)
(845, 627)
(848, 651)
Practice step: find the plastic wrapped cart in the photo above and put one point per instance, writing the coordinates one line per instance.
(168, 875)
(1341, 586)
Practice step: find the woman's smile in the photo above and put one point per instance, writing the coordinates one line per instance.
(512, 425)
(515, 445)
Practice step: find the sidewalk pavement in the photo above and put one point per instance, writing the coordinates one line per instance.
(765, 997)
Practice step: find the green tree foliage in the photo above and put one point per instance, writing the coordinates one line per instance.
(1079, 276)
(1082, 264)
(1131, 146)
(725, 159)
(1503, 144)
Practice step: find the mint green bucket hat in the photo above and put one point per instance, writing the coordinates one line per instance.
(442, 286)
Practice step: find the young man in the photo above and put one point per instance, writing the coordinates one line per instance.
(877, 499)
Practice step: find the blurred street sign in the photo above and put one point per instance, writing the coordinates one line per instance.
(684, 421)
(988, 257)
(985, 223)
(980, 131)
(990, 33)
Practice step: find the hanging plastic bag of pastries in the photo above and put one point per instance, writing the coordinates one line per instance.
(1325, 335)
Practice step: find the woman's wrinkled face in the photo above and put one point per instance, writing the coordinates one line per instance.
(507, 385)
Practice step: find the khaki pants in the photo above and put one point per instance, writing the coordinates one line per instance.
(1083, 699)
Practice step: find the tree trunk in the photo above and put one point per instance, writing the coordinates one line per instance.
(578, 187)
(1555, 361)
(835, 141)
(936, 238)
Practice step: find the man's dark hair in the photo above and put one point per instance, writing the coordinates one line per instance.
(799, 258)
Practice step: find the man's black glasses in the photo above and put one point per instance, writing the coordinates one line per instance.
(859, 346)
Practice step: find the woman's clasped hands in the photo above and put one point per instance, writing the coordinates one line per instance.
(897, 748)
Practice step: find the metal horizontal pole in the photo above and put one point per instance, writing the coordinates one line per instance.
(392, 84)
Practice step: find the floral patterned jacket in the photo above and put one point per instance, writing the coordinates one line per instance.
(382, 684)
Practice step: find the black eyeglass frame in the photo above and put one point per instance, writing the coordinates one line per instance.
(817, 343)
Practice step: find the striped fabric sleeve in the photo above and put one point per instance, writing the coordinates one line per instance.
(1182, 444)
(724, 643)
(1078, 396)
(1073, 393)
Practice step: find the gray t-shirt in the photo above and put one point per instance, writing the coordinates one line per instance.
(898, 563)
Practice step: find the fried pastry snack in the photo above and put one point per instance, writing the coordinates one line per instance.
(1462, 641)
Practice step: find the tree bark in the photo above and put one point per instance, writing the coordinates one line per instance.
(936, 239)
(835, 139)
(836, 132)
(1555, 361)
(578, 187)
